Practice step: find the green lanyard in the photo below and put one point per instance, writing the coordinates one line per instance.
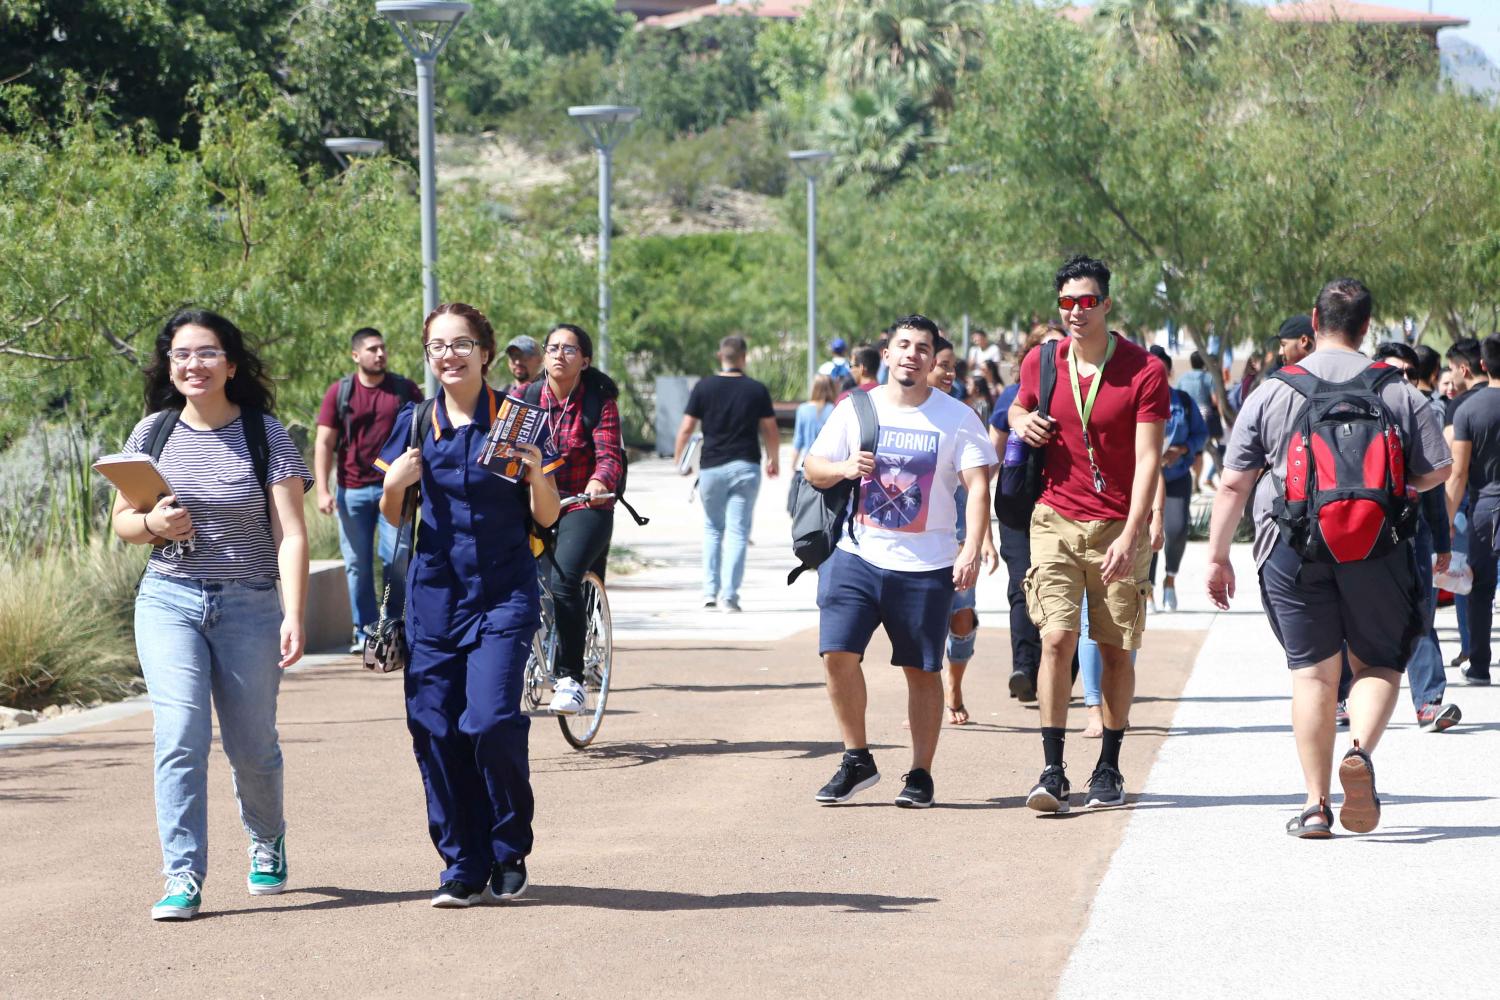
(1086, 406)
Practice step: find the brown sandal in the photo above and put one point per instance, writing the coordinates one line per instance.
(1300, 828)
(1360, 810)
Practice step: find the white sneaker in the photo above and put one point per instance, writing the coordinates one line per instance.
(567, 697)
(1169, 598)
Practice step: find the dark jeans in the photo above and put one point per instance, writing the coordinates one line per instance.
(582, 545)
(1025, 640)
(1178, 505)
(1482, 596)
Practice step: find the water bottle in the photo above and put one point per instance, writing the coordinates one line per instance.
(1015, 451)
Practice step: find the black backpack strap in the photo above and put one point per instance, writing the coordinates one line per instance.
(342, 406)
(253, 423)
(156, 440)
(869, 430)
(406, 390)
(1048, 380)
(1303, 381)
(533, 392)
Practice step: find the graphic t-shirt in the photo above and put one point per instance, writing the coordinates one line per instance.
(1134, 392)
(907, 518)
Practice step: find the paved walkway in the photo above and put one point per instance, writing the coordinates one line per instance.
(682, 857)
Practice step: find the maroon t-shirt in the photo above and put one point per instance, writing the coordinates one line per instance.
(372, 414)
(1134, 392)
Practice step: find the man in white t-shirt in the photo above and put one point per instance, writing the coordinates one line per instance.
(984, 357)
(900, 563)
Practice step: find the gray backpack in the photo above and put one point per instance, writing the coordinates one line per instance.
(819, 516)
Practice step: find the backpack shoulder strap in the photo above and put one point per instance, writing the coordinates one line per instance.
(342, 405)
(406, 390)
(253, 423)
(419, 421)
(533, 392)
(869, 423)
(1048, 381)
(156, 440)
(1379, 375)
(1300, 379)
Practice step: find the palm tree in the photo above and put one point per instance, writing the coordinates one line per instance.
(922, 43)
(1144, 27)
(875, 133)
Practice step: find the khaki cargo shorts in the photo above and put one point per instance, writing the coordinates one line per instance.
(1067, 560)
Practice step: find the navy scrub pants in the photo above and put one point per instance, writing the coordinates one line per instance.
(463, 708)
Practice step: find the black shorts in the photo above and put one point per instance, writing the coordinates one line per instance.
(1373, 606)
(855, 597)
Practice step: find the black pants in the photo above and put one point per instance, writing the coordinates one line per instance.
(1025, 640)
(1482, 545)
(582, 545)
(1178, 505)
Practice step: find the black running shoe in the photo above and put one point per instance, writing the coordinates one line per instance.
(1474, 678)
(855, 774)
(1106, 788)
(453, 894)
(1051, 792)
(508, 880)
(918, 791)
(1022, 686)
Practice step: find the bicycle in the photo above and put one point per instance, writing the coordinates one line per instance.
(598, 650)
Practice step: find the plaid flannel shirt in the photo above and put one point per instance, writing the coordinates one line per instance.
(584, 457)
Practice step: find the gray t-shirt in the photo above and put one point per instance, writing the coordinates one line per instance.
(1478, 421)
(1263, 431)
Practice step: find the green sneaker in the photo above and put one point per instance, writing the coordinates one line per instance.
(184, 896)
(267, 867)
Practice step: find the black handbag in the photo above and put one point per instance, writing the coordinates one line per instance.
(386, 650)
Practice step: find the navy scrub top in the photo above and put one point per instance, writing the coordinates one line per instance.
(472, 569)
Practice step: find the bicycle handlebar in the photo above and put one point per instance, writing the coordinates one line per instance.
(584, 498)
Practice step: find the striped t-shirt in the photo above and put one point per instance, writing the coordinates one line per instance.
(211, 474)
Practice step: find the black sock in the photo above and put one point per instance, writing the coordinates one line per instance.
(862, 754)
(1109, 749)
(1052, 744)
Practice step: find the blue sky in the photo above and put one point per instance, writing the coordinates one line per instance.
(1483, 15)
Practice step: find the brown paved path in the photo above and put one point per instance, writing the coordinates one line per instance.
(683, 857)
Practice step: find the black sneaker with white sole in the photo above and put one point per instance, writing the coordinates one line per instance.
(455, 895)
(509, 880)
(918, 791)
(1051, 792)
(855, 774)
(1106, 788)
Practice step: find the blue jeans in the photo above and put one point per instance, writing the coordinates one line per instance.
(1090, 662)
(1424, 671)
(202, 640)
(728, 492)
(359, 519)
(1461, 601)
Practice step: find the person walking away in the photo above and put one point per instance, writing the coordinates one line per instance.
(591, 460)
(837, 367)
(1199, 385)
(1185, 437)
(1088, 532)
(963, 620)
(899, 563)
(1321, 573)
(1476, 484)
(473, 608)
(523, 355)
(1465, 378)
(1015, 544)
(210, 630)
(737, 417)
(356, 417)
(811, 416)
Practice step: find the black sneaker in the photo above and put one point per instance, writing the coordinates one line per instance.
(1106, 787)
(1022, 686)
(918, 791)
(855, 774)
(1051, 792)
(509, 880)
(455, 895)
(1475, 679)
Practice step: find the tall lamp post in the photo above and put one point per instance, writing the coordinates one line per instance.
(605, 125)
(425, 27)
(810, 164)
(344, 148)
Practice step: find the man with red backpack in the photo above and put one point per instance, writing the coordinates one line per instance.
(1346, 446)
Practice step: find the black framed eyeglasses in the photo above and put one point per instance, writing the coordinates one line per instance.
(461, 348)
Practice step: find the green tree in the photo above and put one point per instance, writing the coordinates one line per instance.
(1142, 27)
(923, 44)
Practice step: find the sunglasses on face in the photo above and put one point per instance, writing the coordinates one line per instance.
(1084, 302)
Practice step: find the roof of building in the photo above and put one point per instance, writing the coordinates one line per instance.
(1324, 11)
(781, 9)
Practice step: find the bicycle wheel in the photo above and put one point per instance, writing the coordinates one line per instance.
(540, 662)
(598, 655)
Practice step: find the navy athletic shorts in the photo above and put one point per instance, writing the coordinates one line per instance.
(854, 597)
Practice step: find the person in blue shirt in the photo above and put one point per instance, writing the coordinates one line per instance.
(811, 416)
(1185, 438)
(472, 609)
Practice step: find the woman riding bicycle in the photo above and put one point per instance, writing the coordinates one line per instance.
(584, 431)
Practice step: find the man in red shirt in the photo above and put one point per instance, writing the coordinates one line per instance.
(1103, 441)
(355, 419)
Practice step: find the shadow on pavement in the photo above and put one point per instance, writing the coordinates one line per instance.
(724, 688)
(1153, 800)
(607, 755)
(1428, 834)
(651, 901)
(336, 898)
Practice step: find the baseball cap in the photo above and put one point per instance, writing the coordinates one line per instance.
(524, 344)
(1296, 327)
(838, 344)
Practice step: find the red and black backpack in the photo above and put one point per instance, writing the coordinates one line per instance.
(1345, 496)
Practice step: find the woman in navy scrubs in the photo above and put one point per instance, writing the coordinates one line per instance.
(472, 608)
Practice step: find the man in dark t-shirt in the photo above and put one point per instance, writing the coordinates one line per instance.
(1476, 479)
(737, 416)
(350, 441)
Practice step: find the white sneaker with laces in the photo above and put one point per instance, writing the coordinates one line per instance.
(567, 697)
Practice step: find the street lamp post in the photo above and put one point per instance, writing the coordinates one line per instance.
(810, 163)
(605, 125)
(425, 27)
(344, 148)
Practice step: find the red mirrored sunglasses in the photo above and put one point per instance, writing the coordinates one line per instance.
(1067, 302)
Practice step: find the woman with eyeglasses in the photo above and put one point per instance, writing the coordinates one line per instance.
(472, 608)
(583, 420)
(209, 625)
